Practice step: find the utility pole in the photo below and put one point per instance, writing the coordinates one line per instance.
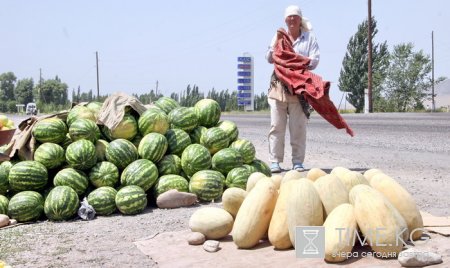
(156, 93)
(369, 58)
(98, 82)
(433, 107)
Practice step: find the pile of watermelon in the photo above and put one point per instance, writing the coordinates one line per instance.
(167, 147)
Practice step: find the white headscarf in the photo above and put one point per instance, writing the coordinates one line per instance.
(295, 10)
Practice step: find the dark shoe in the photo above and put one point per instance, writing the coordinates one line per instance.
(275, 167)
(298, 167)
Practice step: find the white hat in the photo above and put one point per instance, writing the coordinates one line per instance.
(295, 10)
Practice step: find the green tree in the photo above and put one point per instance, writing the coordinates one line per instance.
(24, 91)
(408, 79)
(52, 91)
(7, 84)
(353, 76)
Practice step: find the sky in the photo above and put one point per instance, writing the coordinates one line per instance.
(197, 42)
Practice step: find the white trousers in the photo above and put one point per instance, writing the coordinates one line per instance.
(280, 113)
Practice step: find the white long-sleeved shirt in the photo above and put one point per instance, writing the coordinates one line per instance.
(305, 45)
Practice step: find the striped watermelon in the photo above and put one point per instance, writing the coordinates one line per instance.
(26, 206)
(207, 184)
(81, 154)
(166, 104)
(246, 148)
(250, 168)
(28, 176)
(226, 159)
(184, 118)
(169, 164)
(169, 182)
(141, 172)
(100, 149)
(195, 158)
(126, 129)
(237, 177)
(67, 140)
(262, 167)
(3, 204)
(51, 155)
(178, 140)
(62, 203)
(73, 178)
(214, 139)
(136, 140)
(4, 183)
(84, 129)
(103, 200)
(121, 153)
(197, 133)
(131, 200)
(153, 146)
(78, 112)
(153, 120)
(6, 165)
(208, 112)
(50, 130)
(95, 107)
(104, 174)
(230, 128)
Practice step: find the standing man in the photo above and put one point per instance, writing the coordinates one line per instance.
(284, 104)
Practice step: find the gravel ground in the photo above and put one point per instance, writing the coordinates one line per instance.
(412, 148)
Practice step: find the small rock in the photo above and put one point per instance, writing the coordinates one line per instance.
(211, 245)
(12, 222)
(196, 238)
(4, 220)
(413, 257)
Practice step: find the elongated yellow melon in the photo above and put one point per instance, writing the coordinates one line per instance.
(278, 228)
(304, 207)
(402, 201)
(380, 222)
(368, 174)
(253, 218)
(340, 227)
(253, 179)
(277, 178)
(315, 173)
(232, 199)
(332, 192)
(213, 222)
(352, 178)
(339, 171)
(291, 175)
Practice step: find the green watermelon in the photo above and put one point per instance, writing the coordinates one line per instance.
(208, 112)
(67, 140)
(153, 146)
(184, 118)
(28, 176)
(81, 154)
(250, 168)
(51, 155)
(136, 140)
(7, 165)
(78, 112)
(50, 130)
(246, 148)
(207, 185)
(169, 164)
(214, 139)
(4, 183)
(166, 104)
(62, 203)
(197, 133)
(169, 182)
(73, 178)
(178, 140)
(237, 177)
(103, 200)
(195, 158)
(95, 107)
(84, 129)
(261, 167)
(104, 174)
(230, 128)
(100, 149)
(226, 159)
(131, 199)
(3, 204)
(121, 152)
(126, 129)
(26, 206)
(153, 120)
(141, 172)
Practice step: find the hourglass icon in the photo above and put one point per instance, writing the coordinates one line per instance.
(310, 248)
